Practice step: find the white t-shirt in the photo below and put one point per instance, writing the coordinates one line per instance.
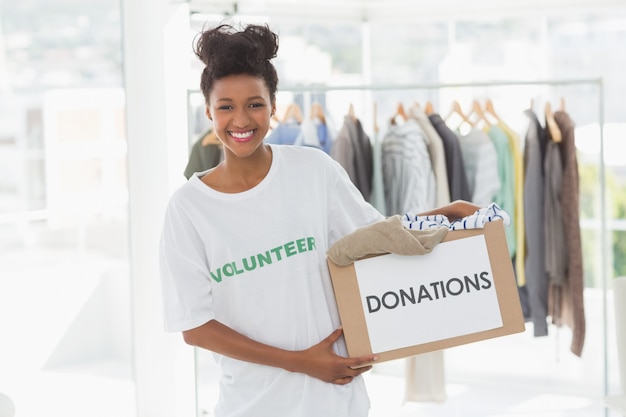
(256, 261)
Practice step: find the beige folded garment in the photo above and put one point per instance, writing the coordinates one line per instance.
(385, 236)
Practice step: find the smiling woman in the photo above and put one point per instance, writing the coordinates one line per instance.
(290, 359)
(239, 85)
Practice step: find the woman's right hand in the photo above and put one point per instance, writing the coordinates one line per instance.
(320, 361)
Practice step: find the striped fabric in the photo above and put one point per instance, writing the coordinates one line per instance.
(477, 220)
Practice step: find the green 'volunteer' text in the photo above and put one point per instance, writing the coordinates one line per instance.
(268, 257)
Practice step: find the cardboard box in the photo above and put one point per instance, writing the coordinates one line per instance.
(399, 306)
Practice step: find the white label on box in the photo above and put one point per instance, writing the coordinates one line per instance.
(411, 300)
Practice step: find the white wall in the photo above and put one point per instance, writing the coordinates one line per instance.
(155, 67)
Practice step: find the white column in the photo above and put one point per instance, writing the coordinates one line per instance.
(156, 52)
(618, 401)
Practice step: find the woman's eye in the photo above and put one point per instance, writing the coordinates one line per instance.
(225, 107)
(256, 105)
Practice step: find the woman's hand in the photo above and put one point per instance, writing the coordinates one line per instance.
(320, 361)
(455, 210)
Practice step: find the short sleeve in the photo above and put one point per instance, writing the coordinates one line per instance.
(348, 210)
(184, 270)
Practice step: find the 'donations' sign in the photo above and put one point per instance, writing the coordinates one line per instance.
(398, 306)
(410, 300)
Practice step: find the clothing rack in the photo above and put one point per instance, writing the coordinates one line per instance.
(377, 87)
(596, 82)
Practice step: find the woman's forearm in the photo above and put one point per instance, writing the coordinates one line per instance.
(219, 338)
(319, 361)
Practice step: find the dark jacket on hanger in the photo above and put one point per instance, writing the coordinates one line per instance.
(457, 179)
(352, 148)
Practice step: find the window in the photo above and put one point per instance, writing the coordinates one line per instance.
(64, 276)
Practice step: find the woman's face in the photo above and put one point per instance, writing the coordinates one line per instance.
(240, 107)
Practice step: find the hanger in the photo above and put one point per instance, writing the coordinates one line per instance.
(456, 109)
(210, 139)
(428, 108)
(400, 113)
(555, 132)
(416, 107)
(490, 110)
(351, 113)
(318, 112)
(293, 112)
(478, 110)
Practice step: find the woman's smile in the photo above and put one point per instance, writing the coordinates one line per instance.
(242, 136)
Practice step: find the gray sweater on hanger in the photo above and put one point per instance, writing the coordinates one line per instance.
(352, 148)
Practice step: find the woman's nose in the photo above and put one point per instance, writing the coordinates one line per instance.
(241, 118)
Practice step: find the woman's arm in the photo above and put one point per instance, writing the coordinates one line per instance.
(318, 361)
(455, 210)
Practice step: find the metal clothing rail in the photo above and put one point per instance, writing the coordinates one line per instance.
(597, 82)
(433, 86)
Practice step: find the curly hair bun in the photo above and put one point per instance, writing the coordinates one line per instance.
(228, 51)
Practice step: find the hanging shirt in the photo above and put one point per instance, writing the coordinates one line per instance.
(505, 197)
(536, 288)
(352, 148)
(284, 133)
(324, 137)
(481, 166)
(518, 214)
(437, 155)
(573, 291)
(556, 247)
(408, 178)
(202, 157)
(315, 133)
(455, 167)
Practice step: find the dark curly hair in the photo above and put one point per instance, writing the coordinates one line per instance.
(225, 51)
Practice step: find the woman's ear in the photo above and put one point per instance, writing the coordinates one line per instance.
(273, 104)
(207, 112)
